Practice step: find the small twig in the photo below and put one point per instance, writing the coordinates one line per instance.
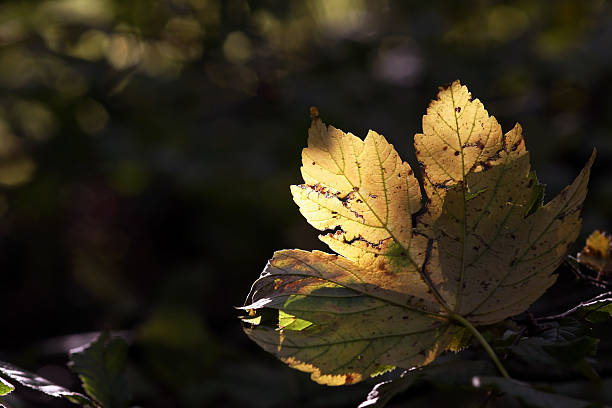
(599, 298)
(604, 284)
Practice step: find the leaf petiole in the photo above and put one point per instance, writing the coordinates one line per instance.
(483, 341)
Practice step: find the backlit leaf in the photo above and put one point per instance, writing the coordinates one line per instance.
(5, 387)
(43, 385)
(481, 246)
(597, 253)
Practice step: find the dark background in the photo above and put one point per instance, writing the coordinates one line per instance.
(147, 148)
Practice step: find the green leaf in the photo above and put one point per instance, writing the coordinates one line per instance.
(101, 367)
(573, 352)
(596, 309)
(528, 395)
(5, 387)
(563, 355)
(452, 373)
(43, 385)
(410, 272)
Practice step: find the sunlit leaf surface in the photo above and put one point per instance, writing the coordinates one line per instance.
(5, 387)
(480, 245)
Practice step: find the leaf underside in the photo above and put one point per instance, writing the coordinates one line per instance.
(482, 245)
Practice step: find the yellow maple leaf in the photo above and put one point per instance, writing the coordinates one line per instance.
(411, 271)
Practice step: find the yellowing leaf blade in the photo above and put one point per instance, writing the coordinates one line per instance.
(363, 195)
(532, 250)
(482, 253)
(337, 347)
(482, 249)
(597, 253)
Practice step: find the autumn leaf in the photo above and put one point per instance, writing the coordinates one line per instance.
(411, 273)
(597, 253)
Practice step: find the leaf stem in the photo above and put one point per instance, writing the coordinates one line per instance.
(482, 341)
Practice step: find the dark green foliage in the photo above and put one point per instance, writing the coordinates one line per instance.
(528, 395)
(38, 383)
(101, 367)
(455, 373)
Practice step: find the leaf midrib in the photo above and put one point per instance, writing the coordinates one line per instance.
(384, 225)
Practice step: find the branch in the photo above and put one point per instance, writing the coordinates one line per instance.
(607, 296)
(604, 284)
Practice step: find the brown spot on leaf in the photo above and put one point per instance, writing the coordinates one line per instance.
(349, 379)
(516, 145)
(458, 109)
(485, 165)
(456, 153)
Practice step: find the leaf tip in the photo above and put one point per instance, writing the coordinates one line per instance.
(456, 82)
(593, 154)
(314, 112)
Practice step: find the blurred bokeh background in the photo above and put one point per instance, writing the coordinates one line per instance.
(147, 148)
